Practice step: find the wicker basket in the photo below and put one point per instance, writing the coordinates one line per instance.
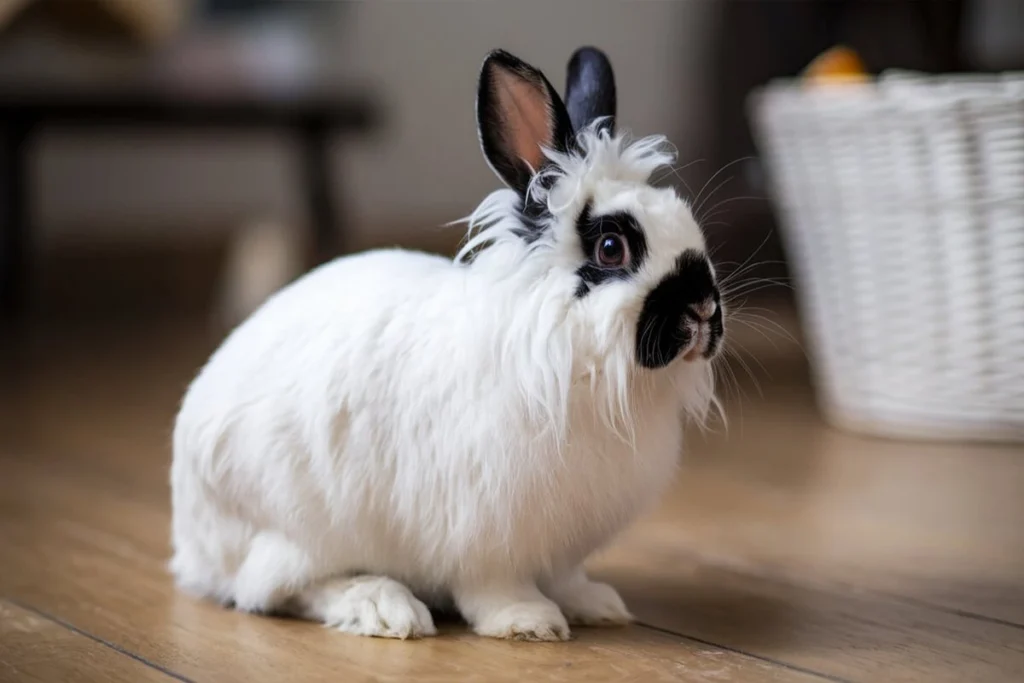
(901, 205)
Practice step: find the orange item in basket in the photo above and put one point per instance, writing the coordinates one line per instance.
(839, 64)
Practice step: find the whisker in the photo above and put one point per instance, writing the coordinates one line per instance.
(719, 172)
(711, 194)
(760, 330)
(733, 289)
(718, 205)
(754, 287)
(741, 269)
(714, 250)
(727, 368)
(752, 279)
(750, 373)
(739, 357)
(675, 170)
(769, 324)
(755, 252)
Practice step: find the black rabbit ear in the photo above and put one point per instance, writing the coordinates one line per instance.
(590, 89)
(518, 113)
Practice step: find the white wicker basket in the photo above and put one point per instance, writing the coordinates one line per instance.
(901, 206)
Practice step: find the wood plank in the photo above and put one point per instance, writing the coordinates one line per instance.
(859, 559)
(779, 494)
(849, 636)
(845, 636)
(786, 497)
(97, 561)
(35, 648)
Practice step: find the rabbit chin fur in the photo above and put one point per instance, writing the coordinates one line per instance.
(469, 430)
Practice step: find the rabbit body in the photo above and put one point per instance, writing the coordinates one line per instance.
(368, 419)
(394, 429)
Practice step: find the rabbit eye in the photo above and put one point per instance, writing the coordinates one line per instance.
(611, 251)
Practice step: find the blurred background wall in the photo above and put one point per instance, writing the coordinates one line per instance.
(106, 200)
(421, 58)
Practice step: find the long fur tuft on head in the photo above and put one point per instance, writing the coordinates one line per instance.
(596, 154)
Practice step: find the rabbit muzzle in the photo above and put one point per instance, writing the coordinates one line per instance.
(682, 315)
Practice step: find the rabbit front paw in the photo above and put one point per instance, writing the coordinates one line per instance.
(513, 613)
(533, 621)
(367, 606)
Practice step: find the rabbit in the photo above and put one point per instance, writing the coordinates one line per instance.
(395, 431)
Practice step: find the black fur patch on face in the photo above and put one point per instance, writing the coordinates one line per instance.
(717, 325)
(590, 229)
(660, 332)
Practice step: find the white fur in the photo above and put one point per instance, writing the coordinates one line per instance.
(468, 430)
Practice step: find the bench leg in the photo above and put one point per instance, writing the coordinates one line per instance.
(319, 192)
(15, 247)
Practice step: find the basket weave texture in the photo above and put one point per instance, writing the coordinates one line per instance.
(901, 208)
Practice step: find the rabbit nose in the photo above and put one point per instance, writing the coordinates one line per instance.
(703, 311)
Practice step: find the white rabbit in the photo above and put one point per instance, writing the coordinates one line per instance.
(395, 428)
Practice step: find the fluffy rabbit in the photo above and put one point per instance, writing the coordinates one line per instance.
(395, 429)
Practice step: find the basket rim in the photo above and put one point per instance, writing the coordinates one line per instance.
(893, 90)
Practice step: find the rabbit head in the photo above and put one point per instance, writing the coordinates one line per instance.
(622, 260)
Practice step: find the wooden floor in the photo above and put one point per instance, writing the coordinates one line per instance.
(786, 551)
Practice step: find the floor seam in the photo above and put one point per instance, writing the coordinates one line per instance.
(745, 653)
(849, 590)
(101, 641)
(966, 614)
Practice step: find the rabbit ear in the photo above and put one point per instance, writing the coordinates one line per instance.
(518, 113)
(590, 89)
